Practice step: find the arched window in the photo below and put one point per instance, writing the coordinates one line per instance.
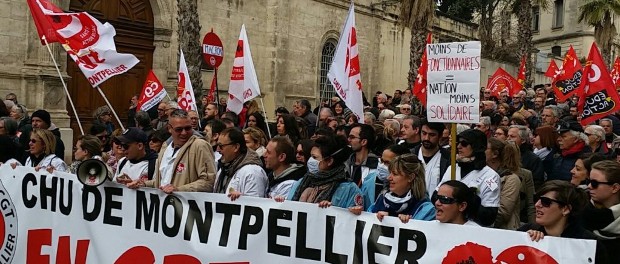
(326, 90)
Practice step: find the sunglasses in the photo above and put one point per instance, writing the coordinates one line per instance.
(34, 141)
(102, 137)
(220, 145)
(443, 199)
(180, 129)
(546, 201)
(595, 183)
(464, 143)
(300, 153)
(124, 146)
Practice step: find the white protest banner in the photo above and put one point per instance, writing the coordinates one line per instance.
(54, 219)
(453, 91)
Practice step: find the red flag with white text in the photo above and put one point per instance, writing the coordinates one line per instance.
(615, 73)
(152, 93)
(88, 42)
(44, 28)
(419, 87)
(185, 91)
(597, 94)
(567, 81)
(502, 80)
(552, 70)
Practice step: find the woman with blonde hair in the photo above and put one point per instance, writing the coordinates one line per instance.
(505, 159)
(406, 198)
(391, 131)
(42, 145)
(255, 140)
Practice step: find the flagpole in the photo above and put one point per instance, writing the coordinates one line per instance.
(64, 85)
(217, 93)
(111, 108)
(265, 113)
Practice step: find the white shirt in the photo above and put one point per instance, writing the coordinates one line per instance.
(431, 170)
(486, 180)
(249, 180)
(49, 160)
(134, 171)
(166, 167)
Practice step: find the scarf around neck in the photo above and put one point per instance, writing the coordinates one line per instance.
(332, 177)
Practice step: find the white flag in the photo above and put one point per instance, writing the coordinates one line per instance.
(185, 91)
(344, 73)
(90, 44)
(243, 85)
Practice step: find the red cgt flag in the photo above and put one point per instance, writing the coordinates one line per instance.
(419, 87)
(152, 93)
(502, 80)
(597, 94)
(521, 74)
(552, 71)
(44, 28)
(615, 73)
(569, 78)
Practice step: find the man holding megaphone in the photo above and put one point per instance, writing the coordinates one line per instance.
(139, 161)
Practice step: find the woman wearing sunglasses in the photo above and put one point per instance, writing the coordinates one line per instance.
(558, 205)
(326, 181)
(42, 145)
(456, 203)
(472, 170)
(604, 221)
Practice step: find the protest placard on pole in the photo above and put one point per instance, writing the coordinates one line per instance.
(453, 91)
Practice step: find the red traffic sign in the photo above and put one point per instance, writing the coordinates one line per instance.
(212, 49)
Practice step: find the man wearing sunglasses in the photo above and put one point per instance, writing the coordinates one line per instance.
(185, 162)
(139, 161)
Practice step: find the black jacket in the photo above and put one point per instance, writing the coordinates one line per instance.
(533, 163)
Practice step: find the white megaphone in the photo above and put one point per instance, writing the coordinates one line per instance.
(92, 172)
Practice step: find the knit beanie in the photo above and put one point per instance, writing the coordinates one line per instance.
(44, 115)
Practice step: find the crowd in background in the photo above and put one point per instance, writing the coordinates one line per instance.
(528, 165)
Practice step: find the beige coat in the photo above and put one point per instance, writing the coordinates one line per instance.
(198, 171)
(509, 204)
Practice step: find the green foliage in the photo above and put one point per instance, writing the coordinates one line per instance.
(462, 9)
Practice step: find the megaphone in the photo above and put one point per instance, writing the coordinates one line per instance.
(92, 172)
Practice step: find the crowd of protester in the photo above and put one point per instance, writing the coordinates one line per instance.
(528, 165)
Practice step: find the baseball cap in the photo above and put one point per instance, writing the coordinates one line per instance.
(564, 126)
(132, 134)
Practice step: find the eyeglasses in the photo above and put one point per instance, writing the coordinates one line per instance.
(463, 143)
(221, 145)
(546, 201)
(180, 129)
(443, 199)
(595, 183)
(353, 137)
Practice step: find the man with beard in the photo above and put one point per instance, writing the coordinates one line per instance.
(240, 172)
(436, 160)
(410, 132)
(362, 164)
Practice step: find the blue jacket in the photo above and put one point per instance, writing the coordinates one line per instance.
(344, 196)
(422, 210)
(371, 187)
(558, 167)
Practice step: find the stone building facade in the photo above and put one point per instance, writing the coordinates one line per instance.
(290, 41)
